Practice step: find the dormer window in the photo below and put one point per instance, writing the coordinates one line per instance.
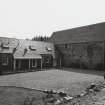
(5, 45)
(32, 48)
(48, 49)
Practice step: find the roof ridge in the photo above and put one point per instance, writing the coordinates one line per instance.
(94, 32)
(84, 26)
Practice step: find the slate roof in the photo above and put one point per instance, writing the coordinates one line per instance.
(95, 32)
(10, 42)
(21, 45)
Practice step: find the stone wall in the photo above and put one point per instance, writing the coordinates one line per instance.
(89, 55)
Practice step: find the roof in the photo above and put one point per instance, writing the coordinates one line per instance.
(95, 32)
(20, 45)
(10, 42)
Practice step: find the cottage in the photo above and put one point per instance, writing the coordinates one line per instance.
(81, 47)
(18, 54)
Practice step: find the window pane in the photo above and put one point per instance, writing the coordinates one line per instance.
(4, 60)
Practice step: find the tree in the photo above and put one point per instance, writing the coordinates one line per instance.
(40, 38)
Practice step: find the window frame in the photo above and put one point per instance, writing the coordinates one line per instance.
(48, 60)
(66, 46)
(4, 60)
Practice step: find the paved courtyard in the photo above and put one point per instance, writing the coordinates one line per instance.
(52, 79)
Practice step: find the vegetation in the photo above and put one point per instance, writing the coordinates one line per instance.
(41, 38)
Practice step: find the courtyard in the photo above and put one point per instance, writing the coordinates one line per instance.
(15, 88)
(69, 81)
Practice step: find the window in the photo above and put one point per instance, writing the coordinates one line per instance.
(4, 60)
(34, 63)
(47, 60)
(32, 48)
(66, 45)
(5, 45)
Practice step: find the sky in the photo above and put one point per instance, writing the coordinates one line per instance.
(28, 18)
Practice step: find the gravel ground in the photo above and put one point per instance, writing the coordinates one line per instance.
(72, 82)
(10, 95)
(17, 96)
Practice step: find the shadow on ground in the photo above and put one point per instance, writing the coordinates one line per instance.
(85, 71)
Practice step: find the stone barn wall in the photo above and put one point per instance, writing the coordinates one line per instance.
(88, 55)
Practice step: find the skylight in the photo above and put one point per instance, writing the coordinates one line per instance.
(32, 48)
(5, 45)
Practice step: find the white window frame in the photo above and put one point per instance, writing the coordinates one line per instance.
(34, 63)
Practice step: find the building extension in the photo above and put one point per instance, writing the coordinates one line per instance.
(81, 47)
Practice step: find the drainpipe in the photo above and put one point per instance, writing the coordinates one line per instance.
(60, 62)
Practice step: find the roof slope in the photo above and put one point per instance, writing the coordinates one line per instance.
(95, 32)
(10, 42)
(40, 48)
(21, 45)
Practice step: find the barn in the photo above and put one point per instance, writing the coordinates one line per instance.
(81, 47)
(19, 54)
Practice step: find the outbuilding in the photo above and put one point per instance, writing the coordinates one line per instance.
(81, 47)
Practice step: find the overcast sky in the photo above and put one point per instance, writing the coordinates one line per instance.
(27, 18)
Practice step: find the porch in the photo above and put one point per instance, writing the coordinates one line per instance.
(27, 63)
